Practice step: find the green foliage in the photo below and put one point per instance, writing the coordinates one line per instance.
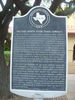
(7, 56)
(59, 9)
(6, 46)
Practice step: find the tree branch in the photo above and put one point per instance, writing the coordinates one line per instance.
(2, 4)
(5, 11)
(37, 2)
(69, 2)
(10, 15)
(54, 5)
(7, 20)
(67, 12)
(21, 6)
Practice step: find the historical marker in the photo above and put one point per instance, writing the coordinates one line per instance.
(39, 54)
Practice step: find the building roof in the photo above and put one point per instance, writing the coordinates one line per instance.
(71, 23)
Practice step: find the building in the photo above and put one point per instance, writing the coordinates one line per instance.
(71, 43)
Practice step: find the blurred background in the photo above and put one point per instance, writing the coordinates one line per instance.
(10, 8)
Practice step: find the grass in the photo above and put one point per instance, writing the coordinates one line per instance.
(7, 56)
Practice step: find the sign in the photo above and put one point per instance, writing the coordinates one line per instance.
(39, 54)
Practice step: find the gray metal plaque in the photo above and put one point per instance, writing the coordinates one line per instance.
(39, 52)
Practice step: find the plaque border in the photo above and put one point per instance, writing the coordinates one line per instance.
(32, 93)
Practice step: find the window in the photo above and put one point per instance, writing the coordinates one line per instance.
(74, 52)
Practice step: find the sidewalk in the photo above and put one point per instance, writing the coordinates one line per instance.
(71, 87)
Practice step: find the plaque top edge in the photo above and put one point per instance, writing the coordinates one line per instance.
(39, 7)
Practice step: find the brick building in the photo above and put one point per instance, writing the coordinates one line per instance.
(71, 43)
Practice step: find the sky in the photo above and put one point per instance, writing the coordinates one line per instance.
(31, 2)
(4, 2)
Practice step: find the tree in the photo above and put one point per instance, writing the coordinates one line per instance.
(11, 9)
